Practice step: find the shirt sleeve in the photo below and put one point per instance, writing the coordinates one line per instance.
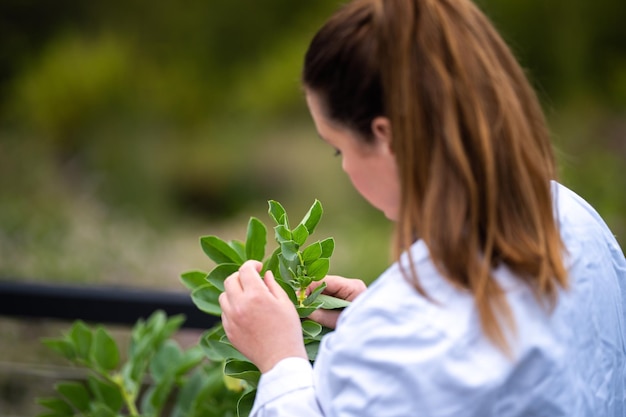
(287, 390)
(386, 367)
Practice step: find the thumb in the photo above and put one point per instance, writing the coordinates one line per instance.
(276, 290)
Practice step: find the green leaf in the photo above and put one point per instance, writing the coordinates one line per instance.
(245, 403)
(312, 349)
(139, 329)
(205, 394)
(80, 334)
(172, 325)
(106, 393)
(74, 393)
(318, 269)
(271, 264)
(63, 347)
(291, 293)
(190, 359)
(147, 337)
(300, 234)
(216, 349)
(187, 397)
(131, 373)
(311, 328)
(303, 281)
(155, 397)
(278, 213)
(331, 303)
(193, 279)
(282, 234)
(201, 387)
(256, 239)
(206, 299)
(56, 404)
(234, 384)
(239, 247)
(166, 360)
(156, 322)
(245, 370)
(312, 253)
(284, 271)
(289, 250)
(328, 247)
(220, 273)
(101, 410)
(219, 251)
(313, 216)
(306, 311)
(316, 293)
(105, 352)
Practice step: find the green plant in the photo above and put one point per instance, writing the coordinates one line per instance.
(157, 379)
(295, 267)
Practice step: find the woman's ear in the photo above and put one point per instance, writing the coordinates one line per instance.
(381, 129)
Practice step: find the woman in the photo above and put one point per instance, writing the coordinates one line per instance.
(508, 296)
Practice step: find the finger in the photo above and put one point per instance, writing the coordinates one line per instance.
(225, 306)
(326, 318)
(344, 288)
(232, 284)
(333, 283)
(275, 289)
(223, 301)
(313, 286)
(226, 324)
(249, 275)
(256, 265)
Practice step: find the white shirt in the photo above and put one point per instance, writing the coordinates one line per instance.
(395, 354)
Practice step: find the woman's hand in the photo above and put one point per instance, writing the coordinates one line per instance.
(340, 287)
(259, 319)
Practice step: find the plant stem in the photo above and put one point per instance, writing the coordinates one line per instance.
(130, 403)
(129, 397)
(301, 297)
(302, 292)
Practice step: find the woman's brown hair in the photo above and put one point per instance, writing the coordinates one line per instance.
(471, 143)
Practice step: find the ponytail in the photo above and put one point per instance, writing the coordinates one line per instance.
(470, 139)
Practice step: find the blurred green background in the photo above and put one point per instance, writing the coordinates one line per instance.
(128, 129)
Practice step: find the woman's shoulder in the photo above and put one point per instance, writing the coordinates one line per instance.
(446, 322)
(590, 244)
(437, 342)
(574, 214)
(392, 303)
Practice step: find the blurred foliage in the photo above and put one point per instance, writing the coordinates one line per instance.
(129, 129)
(157, 377)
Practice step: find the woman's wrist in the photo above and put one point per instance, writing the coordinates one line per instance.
(270, 362)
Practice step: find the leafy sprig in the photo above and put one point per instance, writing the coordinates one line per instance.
(295, 266)
(157, 376)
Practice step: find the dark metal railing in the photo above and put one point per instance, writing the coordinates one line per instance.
(97, 304)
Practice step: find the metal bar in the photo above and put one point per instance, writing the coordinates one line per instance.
(97, 304)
